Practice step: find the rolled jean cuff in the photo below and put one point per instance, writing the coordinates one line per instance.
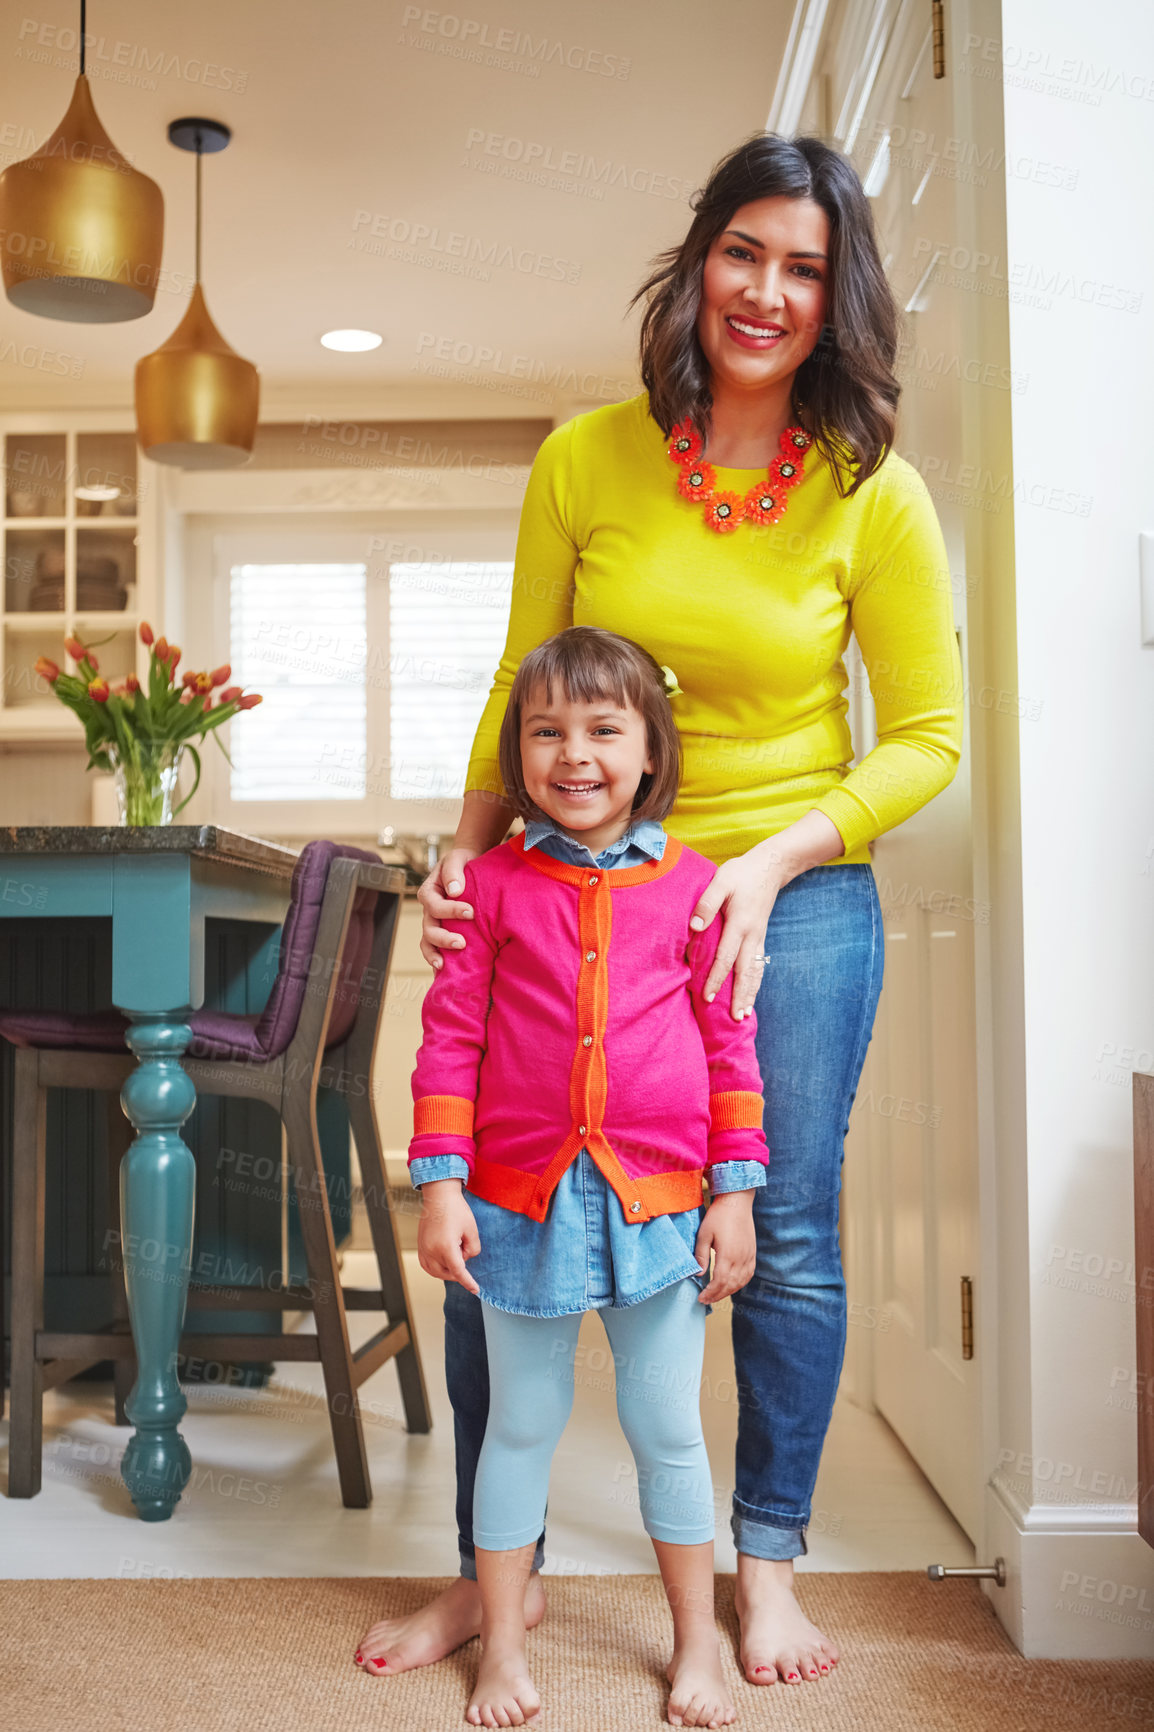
(760, 1540)
(469, 1559)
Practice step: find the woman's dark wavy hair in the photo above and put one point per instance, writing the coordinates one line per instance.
(844, 392)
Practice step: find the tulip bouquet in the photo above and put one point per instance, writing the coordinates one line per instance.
(139, 732)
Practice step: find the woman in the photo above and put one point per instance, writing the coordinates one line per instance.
(739, 519)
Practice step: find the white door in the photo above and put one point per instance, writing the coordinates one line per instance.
(910, 1219)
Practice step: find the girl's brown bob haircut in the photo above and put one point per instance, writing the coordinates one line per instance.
(590, 665)
(845, 392)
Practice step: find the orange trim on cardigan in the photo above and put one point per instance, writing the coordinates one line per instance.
(588, 1075)
(657, 1193)
(443, 1116)
(527, 1194)
(616, 876)
(735, 1110)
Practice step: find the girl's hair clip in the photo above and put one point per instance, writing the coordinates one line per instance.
(672, 689)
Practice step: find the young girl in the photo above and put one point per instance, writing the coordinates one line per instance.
(572, 1087)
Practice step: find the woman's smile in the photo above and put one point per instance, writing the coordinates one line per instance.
(754, 333)
(764, 291)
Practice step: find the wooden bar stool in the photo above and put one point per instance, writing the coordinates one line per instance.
(325, 1007)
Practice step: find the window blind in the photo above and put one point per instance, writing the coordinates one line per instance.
(447, 626)
(297, 634)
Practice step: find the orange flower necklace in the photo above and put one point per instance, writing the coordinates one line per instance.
(764, 503)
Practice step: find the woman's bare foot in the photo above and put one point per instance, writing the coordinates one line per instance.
(698, 1695)
(454, 1617)
(504, 1694)
(777, 1639)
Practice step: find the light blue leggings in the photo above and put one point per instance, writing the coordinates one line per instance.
(657, 1348)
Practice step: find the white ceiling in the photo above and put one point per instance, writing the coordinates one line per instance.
(370, 106)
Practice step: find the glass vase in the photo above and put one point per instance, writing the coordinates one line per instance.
(146, 780)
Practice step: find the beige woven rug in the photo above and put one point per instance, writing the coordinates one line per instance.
(275, 1655)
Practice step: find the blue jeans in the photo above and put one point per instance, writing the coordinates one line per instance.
(815, 1014)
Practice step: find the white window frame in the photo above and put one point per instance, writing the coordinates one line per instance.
(216, 542)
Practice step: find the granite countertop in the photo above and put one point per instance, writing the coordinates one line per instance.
(208, 841)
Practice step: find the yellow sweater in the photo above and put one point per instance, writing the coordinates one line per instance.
(754, 623)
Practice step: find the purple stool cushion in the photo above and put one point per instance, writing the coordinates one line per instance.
(225, 1035)
(102, 1031)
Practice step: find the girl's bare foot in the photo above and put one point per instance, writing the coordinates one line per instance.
(454, 1617)
(698, 1695)
(777, 1639)
(504, 1694)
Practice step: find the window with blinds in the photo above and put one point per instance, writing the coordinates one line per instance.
(298, 636)
(447, 625)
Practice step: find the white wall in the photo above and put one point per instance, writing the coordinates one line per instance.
(1067, 841)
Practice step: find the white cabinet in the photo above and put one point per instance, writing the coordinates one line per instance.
(78, 553)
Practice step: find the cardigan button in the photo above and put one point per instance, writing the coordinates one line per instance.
(635, 1208)
(581, 1130)
(590, 956)
(593, 880)
(586, 1040)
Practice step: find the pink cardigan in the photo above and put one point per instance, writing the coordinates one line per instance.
(575, 1016)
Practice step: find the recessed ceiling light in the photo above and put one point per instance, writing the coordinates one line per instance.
(97, 490)
(351, 340)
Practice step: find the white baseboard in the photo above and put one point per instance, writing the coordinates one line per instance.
(1080, 1578)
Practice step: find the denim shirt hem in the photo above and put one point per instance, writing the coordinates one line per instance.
(594, 1304)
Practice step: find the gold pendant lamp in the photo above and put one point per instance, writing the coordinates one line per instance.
(197, 400)
(81, 230)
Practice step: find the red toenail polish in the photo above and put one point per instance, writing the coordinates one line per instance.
(792, 1676)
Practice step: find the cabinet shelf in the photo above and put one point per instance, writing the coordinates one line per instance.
(80, 558)
(82, 519)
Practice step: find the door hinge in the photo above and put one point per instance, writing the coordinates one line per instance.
(967, 1317)
(939, 39)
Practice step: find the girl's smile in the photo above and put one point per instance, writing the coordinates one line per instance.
(583, 763)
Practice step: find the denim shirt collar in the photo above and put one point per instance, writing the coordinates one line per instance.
(647, 834)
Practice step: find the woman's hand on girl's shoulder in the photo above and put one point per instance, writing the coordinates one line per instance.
(745, 890)
(436, 896)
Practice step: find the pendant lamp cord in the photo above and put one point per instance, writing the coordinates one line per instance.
(82, 12)
(198, 155)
